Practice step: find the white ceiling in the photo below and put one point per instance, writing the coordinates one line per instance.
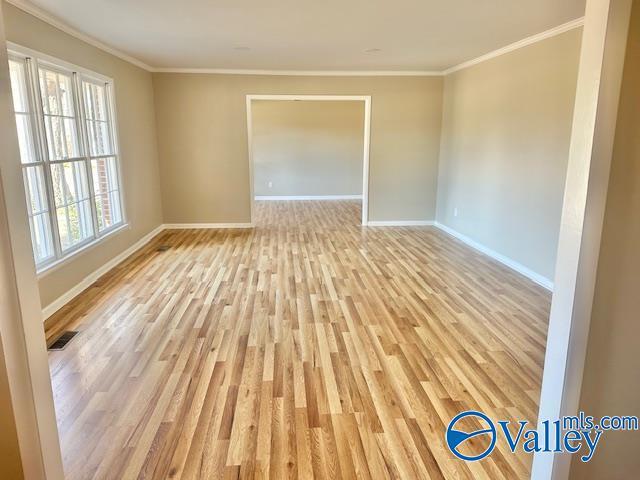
(425, 35)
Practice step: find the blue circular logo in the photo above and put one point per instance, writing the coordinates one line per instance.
(456, 438)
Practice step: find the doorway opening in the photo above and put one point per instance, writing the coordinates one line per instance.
(309, 147)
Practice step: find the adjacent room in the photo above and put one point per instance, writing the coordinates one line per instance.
(269, 240)
(304, 149)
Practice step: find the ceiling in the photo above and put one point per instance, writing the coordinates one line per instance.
(407, 35)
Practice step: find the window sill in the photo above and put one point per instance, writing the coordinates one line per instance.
(52, 267)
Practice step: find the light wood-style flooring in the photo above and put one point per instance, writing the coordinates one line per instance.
(308, 347)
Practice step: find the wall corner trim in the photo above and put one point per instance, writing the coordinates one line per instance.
(512, 264)
(301, 73)
(552, 32)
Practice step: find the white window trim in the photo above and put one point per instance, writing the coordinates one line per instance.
(61, 258)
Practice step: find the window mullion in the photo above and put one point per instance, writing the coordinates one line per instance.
(79, 94)
(40, 131)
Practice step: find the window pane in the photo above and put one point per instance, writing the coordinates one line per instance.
(57, 93)
(70, 183)
(62, 138)
(99, 142)
(98, 128)
(19, 86)
(105, 185)
(60, 123)
(116, 208)
(36, 191)
(73, 212)
(21, 106)
(95, 101)
(41, 237)
(108, 208)
(105, 175)
(49, 92)
(74, 223)
(25, 138)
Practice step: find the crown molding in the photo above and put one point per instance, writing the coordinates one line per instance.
(565, 27)
(46, 17)
(305, 73)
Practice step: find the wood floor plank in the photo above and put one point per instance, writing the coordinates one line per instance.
(307, 347)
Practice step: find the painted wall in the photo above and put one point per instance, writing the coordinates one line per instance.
(505, 143)
(307, 147)
(11, 464)
(137, 135)
(202, 139)
(610, 385)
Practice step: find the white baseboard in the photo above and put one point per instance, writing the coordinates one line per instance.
(69, 295)
(183, 226)
(400, 223)
(308, 197)
(512, 264)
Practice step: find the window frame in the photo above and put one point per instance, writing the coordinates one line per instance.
(33, 61)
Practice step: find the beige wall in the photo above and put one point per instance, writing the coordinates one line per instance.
(506, 131)
(202, 138)
(11, 464)
(307, 147)
(137, 135)
(610, 383)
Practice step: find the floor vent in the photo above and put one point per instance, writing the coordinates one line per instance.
(63, 340)
(163, 248)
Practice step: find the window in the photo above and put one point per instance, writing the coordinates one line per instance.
(68, 153)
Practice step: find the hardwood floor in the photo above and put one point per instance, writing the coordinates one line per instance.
(308, 347)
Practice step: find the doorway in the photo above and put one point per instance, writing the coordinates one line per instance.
(291, 157)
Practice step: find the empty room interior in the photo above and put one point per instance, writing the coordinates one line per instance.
(335, 240)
